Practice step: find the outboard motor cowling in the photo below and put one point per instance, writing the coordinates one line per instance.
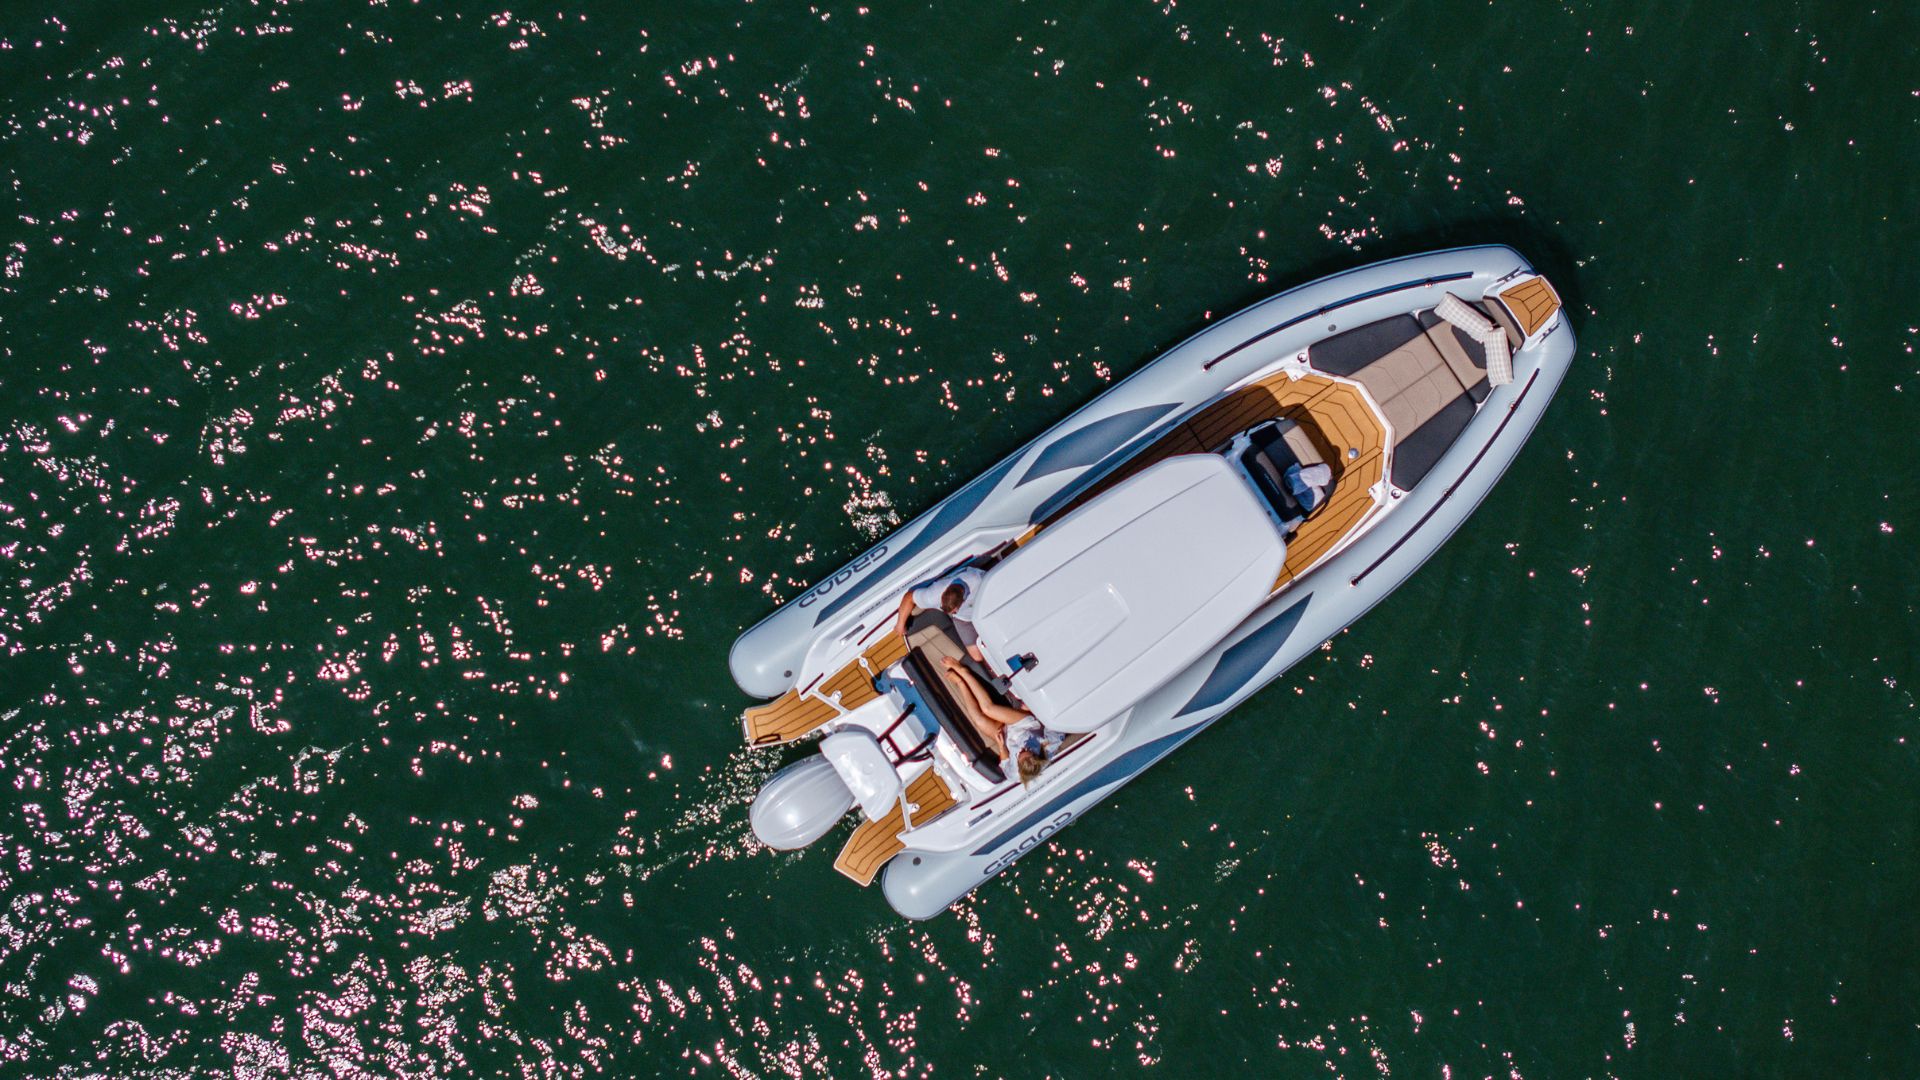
(800, 804)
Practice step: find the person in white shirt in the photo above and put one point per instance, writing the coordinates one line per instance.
(1014, 732)
(953, 594)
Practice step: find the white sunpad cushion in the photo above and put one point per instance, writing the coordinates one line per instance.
(1481, 329)
(1462, 314)
(1499, 359)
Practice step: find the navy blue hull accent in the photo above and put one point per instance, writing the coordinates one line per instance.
(1242, 662)
(1089, 444)
(1099, 471)
(950, 513)
(1112, 772)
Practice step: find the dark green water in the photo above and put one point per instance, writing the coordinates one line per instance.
(403, 407)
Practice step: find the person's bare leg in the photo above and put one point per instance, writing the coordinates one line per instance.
(963, 681)
(993, 710)
(990, 730)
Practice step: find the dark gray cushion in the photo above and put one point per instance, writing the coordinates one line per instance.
(1346, 353)
(1415, 455)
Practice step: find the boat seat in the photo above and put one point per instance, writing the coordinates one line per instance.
(1300, 443)
(932, 632)
(1412, 383)
(1278, 445)
(924, 670)
(1467, 357)
(1504, 319)
(1415, 455)
(1420, 392)
(1401, 367)
(1346, 353)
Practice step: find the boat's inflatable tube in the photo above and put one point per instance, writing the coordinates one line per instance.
(919, 884)
(800, 804)
(1031, 483)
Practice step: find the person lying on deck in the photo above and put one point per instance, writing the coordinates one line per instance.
(1013, 731)
(953, 594)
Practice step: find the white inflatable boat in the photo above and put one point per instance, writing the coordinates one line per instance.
(1145, 565)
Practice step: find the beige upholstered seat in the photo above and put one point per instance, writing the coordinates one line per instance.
(1412, 384)
(1455, 355)
(1302, 446)
(933, 634)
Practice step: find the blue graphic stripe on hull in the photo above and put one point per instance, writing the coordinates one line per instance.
(1113, 772)
(949, 514)
(1240, 663)
(1092, 443)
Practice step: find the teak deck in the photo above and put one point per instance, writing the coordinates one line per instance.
(1334, 415)
(874, 842)
(1532, 301)
(794, 713)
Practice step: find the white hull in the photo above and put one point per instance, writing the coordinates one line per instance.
(948, 857)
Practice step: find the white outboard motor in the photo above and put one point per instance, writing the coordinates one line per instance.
(800, 804)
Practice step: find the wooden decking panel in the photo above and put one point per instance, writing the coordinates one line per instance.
(794, 714)
(874, 842)
(885, 653)
(1345, 509)
(785, 718)
(851, 686)
(1336, 417)
(1532, 301)
(1274, 396)
(1340, 430)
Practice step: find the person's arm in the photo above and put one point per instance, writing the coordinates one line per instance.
(906, 613)
(974, 651)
